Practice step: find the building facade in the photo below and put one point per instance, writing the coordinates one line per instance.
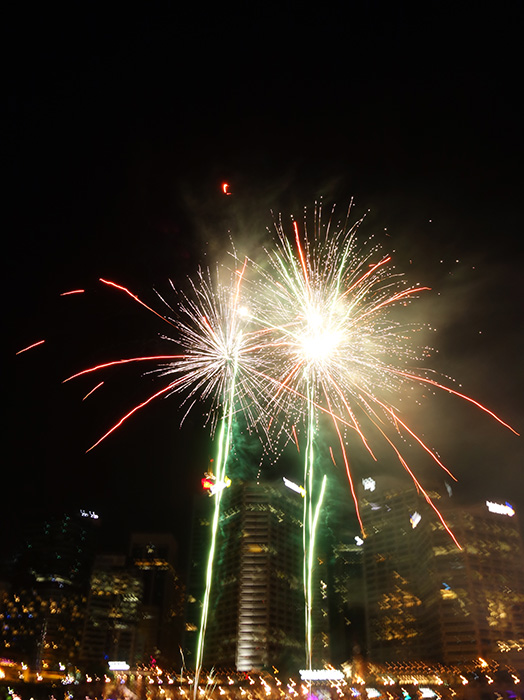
(256, 616)
(428, 599)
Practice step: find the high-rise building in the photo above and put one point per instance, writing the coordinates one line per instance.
(113, 613)
(477, 598)
(426, 599)
(161, 613)
(346, 598)
(256, 616)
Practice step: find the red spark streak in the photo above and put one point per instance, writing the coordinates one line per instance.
(122, 362)
(131, 412)
(348, 470)
(301, 254)
(367, 274)
(296, 438)
(92, 390)
(456, 393)
(422, 444)
(73, 291)
(34, 345)
(225, 188)
(419, 486)
(395, 298)
(133, 296)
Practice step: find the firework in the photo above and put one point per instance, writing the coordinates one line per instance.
(339, 351)
(221, 365)
(313, 334)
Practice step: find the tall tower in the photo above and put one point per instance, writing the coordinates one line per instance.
(257, 598)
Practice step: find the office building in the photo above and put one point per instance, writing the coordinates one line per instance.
(256, 616)
(160, 626)
(426, 599)
(113, 613)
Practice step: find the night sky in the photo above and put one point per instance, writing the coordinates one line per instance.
(122, 127)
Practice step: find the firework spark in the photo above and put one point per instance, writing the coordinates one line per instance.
(339, 351)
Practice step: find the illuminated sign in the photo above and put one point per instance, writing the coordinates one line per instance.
(501, 508)
(89, 514)
(118, 666)
(415, 519)
(321, 674)
(294, 487)
(369, 484)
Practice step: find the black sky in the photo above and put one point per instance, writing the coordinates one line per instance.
(121, 128)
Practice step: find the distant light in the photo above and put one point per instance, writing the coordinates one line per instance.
(118, 666)
(321, 674)
(427, 693)
(369, 484)
(294, 487)
(89, 514)
(373, 693)
(359, 540)
(501, 508)
(415, 519)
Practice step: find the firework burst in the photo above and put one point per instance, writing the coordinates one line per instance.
(339, 350)
(222, 365)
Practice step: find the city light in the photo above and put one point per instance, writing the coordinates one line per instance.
(501, 508)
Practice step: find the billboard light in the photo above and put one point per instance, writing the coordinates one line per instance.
(321, 674)
(501, 508)
(294, 487)
(118, 666)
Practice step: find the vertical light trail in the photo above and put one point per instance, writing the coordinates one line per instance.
(224, 443)
(307, 527)
(314, 516)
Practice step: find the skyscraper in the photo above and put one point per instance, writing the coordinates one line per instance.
(257, 599)
(113, 612)
(426, 599)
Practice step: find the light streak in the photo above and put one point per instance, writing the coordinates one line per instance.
(30, 347)
(73, 291)
(93, 390)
